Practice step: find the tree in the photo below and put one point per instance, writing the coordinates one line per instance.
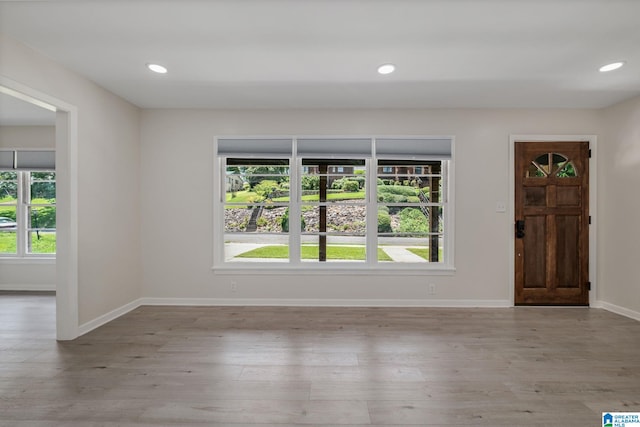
(254, 174)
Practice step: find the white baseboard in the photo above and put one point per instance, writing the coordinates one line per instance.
(618, 310)
(27, 287)
(108, 317)
(324, 302)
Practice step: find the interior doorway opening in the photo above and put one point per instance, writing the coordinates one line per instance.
(66, 286)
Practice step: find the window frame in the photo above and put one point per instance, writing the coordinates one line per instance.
(295, 265)
(23, 206)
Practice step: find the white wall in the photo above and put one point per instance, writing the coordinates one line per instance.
(28, 137)
(108, 178)
(176, 171)
(40, 275)
(619, 208)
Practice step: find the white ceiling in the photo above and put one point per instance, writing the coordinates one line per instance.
(324, 53)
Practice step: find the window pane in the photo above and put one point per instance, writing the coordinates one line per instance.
(338, 248)
(339, 180)
(43, 187)
(256, 181)
(42, 217)
(8, 188)
(412, 182)
(41, 242)
(411, 233)
(340, 218)
(258, 227)
(567, 171)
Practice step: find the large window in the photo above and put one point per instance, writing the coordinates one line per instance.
(345, 202)
(27, 205)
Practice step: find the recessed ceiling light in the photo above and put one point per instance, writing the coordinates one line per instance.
(386, 68)
(611, 67)
(156, 68)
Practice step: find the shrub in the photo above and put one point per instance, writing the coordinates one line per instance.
(413, 220)
(398, 189)
(266, 188)
(310, 182)
(8, 213)
(392, 198)
(384, 220)
(350, 186)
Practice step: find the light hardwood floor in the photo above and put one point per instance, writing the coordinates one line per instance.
(176, 366)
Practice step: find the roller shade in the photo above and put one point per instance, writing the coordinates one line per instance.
(413, 148)
(35, 160)
(258, 147)
(28, 160)
(334, 148)
(6, 160)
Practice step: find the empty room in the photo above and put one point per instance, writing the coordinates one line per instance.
(327, 213)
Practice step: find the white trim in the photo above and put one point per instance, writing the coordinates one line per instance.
(67, 202)
(108, 317)
(332, 269)
(27, 260)
(622, 311)
(593, 169)
(28, 287)
(274, 302)
(294, 264)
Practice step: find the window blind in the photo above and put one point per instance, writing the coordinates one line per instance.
(258, 147)
(28, 160)
(414, 148)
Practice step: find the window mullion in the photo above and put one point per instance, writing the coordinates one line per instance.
(295, 200)
(371, 238)
(21, 214)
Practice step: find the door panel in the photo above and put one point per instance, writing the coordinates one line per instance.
(551, 262)
(536, 249)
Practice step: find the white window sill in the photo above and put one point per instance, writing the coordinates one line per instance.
(27, 260)
(332, 270)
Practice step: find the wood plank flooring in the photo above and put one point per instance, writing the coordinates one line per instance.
(274, 366)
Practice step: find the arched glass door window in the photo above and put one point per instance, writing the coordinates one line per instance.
(552, 164)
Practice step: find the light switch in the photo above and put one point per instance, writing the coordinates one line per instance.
(501, 207)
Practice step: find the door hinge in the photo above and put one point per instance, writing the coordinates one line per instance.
(589, 152)
(588, 286)
(589, 219)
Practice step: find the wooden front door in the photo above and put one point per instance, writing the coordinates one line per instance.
(551, 223)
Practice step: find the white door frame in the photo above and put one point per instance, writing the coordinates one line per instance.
(593, 142)
(66, 203)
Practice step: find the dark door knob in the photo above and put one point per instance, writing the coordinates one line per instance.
(520, 229)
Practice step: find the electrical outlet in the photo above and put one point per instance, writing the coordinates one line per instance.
(234, 286)
(432, 289)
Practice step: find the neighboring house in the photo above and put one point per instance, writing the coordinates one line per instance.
(234, 183)
(334, 172)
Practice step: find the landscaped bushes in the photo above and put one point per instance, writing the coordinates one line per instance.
(351, 186)
(384, 220)
(412, 220)
(340, 183)
(398, 189)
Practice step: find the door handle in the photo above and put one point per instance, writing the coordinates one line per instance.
(520, 229)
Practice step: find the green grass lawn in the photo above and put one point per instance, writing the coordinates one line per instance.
(46, 244)
(424, 252)
(334, 252)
